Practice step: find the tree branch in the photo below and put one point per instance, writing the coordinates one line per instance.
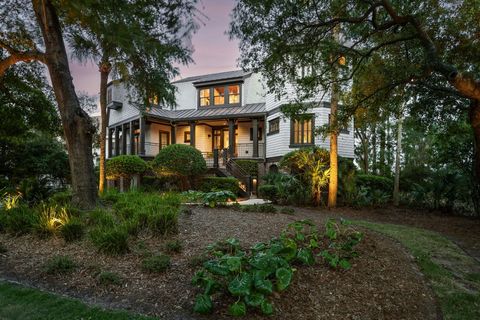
(17, 56)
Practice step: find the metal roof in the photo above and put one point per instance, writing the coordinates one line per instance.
(215, 76)
(250, 110)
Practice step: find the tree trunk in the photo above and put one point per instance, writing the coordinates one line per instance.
(381, 165)
(396, 188)
(374, 149)
(77, 126)
(475, 123)
(104, 69)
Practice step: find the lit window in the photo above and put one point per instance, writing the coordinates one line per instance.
(205, 97)
(234, 94)
(274, 126)
(302, 132)
(219, 96)
(153, 100)
(186, 136)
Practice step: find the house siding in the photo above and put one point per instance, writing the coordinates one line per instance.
(127, 111)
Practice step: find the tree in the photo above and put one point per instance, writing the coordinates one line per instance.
(135, 40)
(421, 38)
(20, 41)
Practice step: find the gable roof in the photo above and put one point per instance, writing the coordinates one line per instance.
(216, 76)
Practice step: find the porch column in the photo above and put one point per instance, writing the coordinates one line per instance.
(192, 134)
(173, 134)
(117, 140)
(142, 136)
(255, 137)
(231, 137)
(110, 141)
(124, 138)
(132, 137)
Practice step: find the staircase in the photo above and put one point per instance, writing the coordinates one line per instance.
(233, 169)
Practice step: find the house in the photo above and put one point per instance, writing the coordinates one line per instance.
(226, 116)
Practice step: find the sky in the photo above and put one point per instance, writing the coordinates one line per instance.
(213, 51)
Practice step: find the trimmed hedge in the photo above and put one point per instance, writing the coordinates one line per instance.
(125, 166)
(220, 183)
(374, 182)
(180, 160)
(249, 166)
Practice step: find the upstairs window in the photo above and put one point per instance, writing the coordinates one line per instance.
(274, 126)
(219, 96)
(234, 94)
(205, 97)
(302, 132)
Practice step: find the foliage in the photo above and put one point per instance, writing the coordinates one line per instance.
(72, 230)
(290, 190)
(61, 198)
(269, 192)
(210, 184)
(179, 160)
(347, 175)
(10, 201)
(249, 166)
(59, 265)
(52, 219)
(216, 198)
(192, 196)
(373, 182)
(156, 263)
(174, 246)
(311, 166)
(111, 240)
(125, 166)
(287, 210)
(251, 276)
(19, 220)
(109, 278)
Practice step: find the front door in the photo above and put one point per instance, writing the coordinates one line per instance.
(164, 139)
(220, 138)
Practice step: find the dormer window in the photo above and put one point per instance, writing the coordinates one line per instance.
(219, 95)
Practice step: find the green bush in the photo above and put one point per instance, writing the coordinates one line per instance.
(173, 246)
(179, 160)
(51, 220)
(156, 263)
(249, 166)
(124, 166)
(269, 192)
(373, 182)
(111, 240)
(101, 217)
(290, 190)
(19, 220)
(210, 184)
(110, 195)
(59, 265)
(72, 230)
(63, 198)
(109, 278)
(214, 199)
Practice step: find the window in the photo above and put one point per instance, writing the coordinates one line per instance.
(164, 139)
(109, 95)
(204, 97)
(219, 96)
(234, 94)
(274, 126)
(260, 135)
(302, 132)
(186, 137)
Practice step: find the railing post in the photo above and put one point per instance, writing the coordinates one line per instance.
(117, 142)
(173, 134)
(255, 137)
(110, 142)
(142, 136)
(132, 137)
(124, 138)
(215, 158)
(192, 134)
(231, 138)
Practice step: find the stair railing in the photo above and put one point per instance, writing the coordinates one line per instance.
(238, 172)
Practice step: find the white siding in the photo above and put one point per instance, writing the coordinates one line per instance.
(185, 96)
(253, 90)
(290, 94)
(202, 140)
(127, 110)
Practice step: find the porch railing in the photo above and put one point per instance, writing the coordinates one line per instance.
(245, 150)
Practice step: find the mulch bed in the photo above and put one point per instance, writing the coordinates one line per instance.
(384, 282)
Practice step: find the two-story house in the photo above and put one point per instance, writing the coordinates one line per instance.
(226, 116)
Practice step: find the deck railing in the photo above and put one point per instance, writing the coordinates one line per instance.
(245, 150)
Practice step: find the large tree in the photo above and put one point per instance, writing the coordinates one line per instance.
(33, 32)
(434, 44)
(139, 41)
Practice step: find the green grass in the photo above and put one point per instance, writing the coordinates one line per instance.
(23, 303)
(446, 266)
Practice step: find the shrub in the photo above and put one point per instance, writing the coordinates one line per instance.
(100, 217)
(192, 196)
(373, 182)
(59, 265)
(179, 160)
(10, 200)
(63, 198)
(173, 246)
(249, 166)
(269, 192)
(109, 278)
(290, 190)
(210, 184)
(52, 219)
(72, 230)
(213, 199)
(111, 240)
(111, 195)
(164, 221)
(286, 210)
(124, 166)
(156, 263)
(19, 220)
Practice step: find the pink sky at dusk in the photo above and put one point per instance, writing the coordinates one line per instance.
(213, 51)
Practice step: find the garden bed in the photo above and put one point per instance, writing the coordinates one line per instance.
(383, 282)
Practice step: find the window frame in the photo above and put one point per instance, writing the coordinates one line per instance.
(185, 135)
(270, 132)
(293, 144)
(226, 96)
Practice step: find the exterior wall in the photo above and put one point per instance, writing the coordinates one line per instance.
(127, 111)
(290, 94)
(279, 144)
(202, 140)
(244, 144)
(253, 89)
(186, 96)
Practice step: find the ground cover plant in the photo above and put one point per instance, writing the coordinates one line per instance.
(249, 276)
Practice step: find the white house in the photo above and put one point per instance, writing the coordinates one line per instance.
(226, 116)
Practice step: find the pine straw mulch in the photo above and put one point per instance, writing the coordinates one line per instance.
(384, 282)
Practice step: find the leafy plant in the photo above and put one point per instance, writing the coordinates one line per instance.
(10, 201)
(59, 265)
(287, 210)
(213, 199)
(210, 184)
(192, 196)
(112, 240)
(72, 230)
(173, 246)
(52, 219)
(156, 263)
(264, 208)
(18, 220)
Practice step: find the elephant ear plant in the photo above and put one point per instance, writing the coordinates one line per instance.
(250, 276)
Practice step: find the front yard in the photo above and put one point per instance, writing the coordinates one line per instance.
(384, 281)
